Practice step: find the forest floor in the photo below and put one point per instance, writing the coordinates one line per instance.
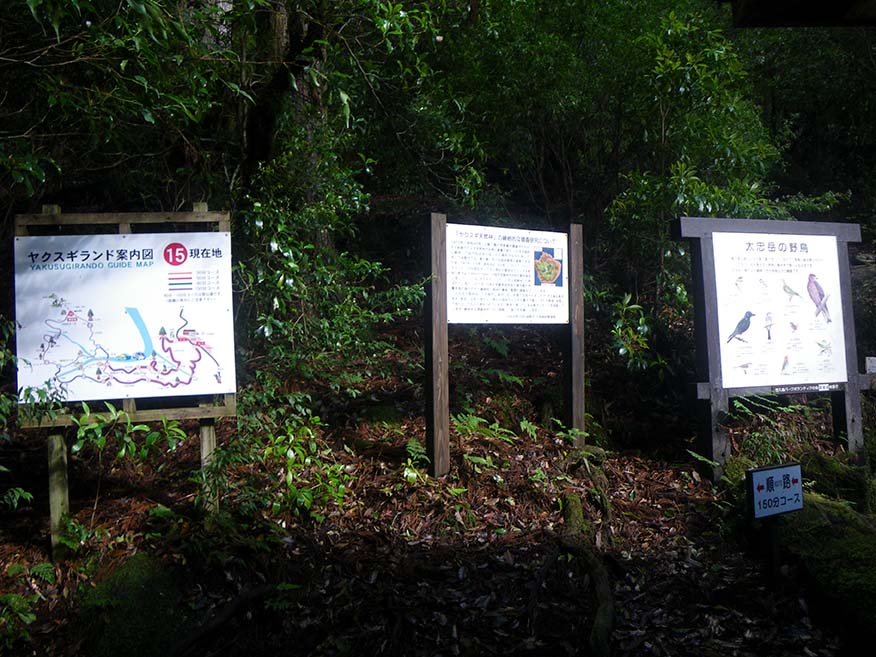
(399, 571)
(468, 564)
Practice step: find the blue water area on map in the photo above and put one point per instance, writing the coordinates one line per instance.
(148, 347)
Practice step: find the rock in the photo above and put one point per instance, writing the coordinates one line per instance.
(835, 548)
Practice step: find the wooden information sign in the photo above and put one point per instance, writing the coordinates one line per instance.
(773, 316)
(489, 275)
(139, 318)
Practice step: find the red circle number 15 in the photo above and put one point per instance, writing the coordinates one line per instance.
(175, 254)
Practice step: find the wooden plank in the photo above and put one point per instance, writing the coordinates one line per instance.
(65, 418)
(699, 227)
(437, 353)
(576, 332)
(114, 218)
(59, 496)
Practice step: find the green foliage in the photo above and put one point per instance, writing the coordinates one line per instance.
(111, 78)
(309, 300)
(16, 610)
(8, 400)
(479, 463)
(95, 429)
(14, 496)
(77, 537)
(16, 613)
(774, 430)
(529, 428)
(570, 434)
(469, 425)
(309, 482)
(417, 459)
(630, 335)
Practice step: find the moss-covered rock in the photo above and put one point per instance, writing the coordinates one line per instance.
(135, 611)
(833, 477)
(835, 547)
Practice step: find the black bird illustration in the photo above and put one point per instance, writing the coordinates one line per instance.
(819, 298)
(742, 326)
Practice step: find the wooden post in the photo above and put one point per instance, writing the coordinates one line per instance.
(713, 398)
(59, 496)
(208, 446)
(437, 352)
(575, 380)
(846, 405)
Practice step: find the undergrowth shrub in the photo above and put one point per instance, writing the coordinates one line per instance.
(316, 308)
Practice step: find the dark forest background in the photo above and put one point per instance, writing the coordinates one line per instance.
(330, 131)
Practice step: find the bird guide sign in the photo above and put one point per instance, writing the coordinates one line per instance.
(774, 490)
(780, 316)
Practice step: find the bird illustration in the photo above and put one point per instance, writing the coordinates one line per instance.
(793, 326)
(744, 367)
(789, 290)
(768, 324)
(785, 364)
(739, 281)
(819, 298)
(741, 327)
(824, 346)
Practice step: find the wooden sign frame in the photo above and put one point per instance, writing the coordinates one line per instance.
(204, 408)
(713, 398)
(437, 350)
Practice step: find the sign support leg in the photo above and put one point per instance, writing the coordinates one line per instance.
(208, 446)
(59, 496)
(846, 410)
(437, 353)
(574, 348)
(714, 439)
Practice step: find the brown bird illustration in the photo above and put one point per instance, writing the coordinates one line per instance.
(819, 298)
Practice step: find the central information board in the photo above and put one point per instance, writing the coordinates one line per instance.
(487, 275)
(506, 276)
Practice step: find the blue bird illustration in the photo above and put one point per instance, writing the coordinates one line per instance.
(742, 326)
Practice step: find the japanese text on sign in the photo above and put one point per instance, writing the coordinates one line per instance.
(776, 490)
(780, 319)
(504, 275)
(120, 316)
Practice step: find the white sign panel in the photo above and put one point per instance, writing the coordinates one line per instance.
(506, 276)
(119, 316)
(776, 490)
(780, 316)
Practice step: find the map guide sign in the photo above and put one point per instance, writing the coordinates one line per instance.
(780, 316)
(506, 276)
(125, 315)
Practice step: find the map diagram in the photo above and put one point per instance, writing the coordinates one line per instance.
(124, 316)
(74, 346)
